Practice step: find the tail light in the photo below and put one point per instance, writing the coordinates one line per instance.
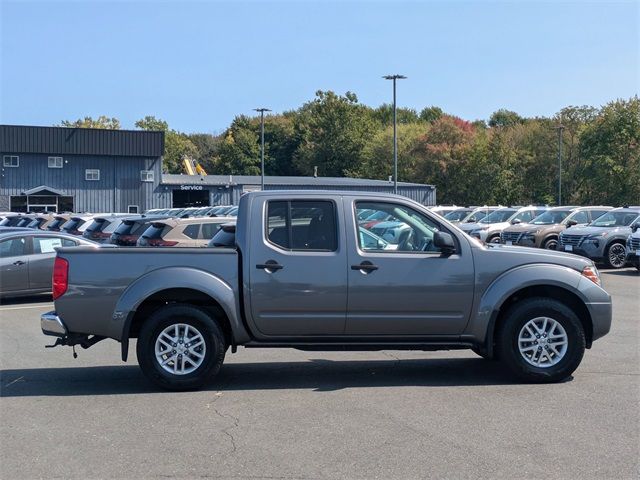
(60, 277)
(158, 242)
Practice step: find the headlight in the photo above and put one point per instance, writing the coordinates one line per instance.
(598, 235)
(591, 272)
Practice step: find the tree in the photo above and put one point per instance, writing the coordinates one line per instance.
(504, 118)
(102, 122)
(384, 115)
(239, 152)
(208, 148)
(333, 132)
(431, 114)
(177, 145)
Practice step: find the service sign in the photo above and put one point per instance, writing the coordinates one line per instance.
(191, 187)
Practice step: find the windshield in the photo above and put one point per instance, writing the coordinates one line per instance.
(498, 216)
(456, 215)
(551, 217)
(615, 219)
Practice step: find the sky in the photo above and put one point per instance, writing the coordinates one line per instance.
(199, 64)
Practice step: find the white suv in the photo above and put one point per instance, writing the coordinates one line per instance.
(489, 228)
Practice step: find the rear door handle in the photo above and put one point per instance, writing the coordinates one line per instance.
(269, 265)
(19, 262)
(366, 266)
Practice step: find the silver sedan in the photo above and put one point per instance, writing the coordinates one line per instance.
(26, 259)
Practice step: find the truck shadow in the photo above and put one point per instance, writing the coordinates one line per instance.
(319, 375)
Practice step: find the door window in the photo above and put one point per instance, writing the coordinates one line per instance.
(210, 229)
(581, 217)
(525, 216)
(13, 247)
(401, 230)
(302, 225)
(49, 244)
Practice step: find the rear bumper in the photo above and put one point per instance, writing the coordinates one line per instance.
(53, 325)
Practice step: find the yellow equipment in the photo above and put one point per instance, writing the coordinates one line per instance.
(192, 167)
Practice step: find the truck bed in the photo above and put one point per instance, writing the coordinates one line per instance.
(99, 279)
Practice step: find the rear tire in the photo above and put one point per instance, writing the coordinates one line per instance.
(616, 255)
(180, 347)
(551, 356)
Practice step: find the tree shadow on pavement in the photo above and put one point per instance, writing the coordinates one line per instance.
(319, 375)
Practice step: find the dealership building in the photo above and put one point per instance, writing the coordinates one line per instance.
(96, 170)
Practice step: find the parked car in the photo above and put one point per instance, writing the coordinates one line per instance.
(130, 229)
(10, 219)
(633, 246)
(469, 215)
(40, 220)
(442, 210)
(26, 260)
(604, 239)
(299, 277)
(25, 220)
(181, 232)
(225, 237)
(544, 230)
(77, 224)
(490, 227)
(102, 226)
(58, 221)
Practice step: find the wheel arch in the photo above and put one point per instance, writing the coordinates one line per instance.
(178, 285)
(550, 281)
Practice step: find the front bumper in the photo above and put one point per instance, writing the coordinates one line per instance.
(53, 325)
(586, 249)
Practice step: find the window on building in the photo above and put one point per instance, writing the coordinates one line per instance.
(146, 175)
(55, 162)
(10, 161)
(302, 225)
(92, 174)
(132, 209)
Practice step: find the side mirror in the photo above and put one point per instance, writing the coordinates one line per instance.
(635, 227)
(571, 223)
(444, 241)
(515, 221)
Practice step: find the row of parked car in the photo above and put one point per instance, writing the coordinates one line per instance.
(601, 233)
(188, 227)
(28, 242)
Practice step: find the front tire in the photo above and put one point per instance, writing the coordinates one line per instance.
(494, 239)
(616, 255)
(541, 340)
(551, 244)
(180, 347)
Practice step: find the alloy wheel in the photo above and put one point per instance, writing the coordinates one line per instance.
(543, 342)
(180, 349)
(617, 255)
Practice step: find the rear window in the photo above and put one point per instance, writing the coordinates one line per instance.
(223, 238)
(73, 224)
(56, 223)
(156, 230)
(97, 225)
(125, 227)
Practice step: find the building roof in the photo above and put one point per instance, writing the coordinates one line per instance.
(80, 141)
(225, 180)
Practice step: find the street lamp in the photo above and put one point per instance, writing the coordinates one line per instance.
(261, 110)
(395, 133)
(560, 128)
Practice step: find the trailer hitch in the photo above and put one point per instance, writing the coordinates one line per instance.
(85, 341)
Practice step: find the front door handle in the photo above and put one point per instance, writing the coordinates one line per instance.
(269, 265)
(19, 262)
(365, 266)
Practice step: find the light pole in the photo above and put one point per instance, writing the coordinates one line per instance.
(560, 128)
(395, 131)
(261, 110)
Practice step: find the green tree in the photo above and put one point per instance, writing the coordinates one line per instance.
(333, 131)
(104, 122)
(208, 148)
(239, 152)
(177, 145)
(431, 114)
(384, 115)
(504, 118)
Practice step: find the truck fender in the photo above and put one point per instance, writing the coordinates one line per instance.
(170, 278)
(481, 328)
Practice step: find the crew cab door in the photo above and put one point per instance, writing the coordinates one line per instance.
(14, 264)
(402, 284)
(297, 270)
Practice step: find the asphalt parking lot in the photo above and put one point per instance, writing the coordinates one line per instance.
(286, 414)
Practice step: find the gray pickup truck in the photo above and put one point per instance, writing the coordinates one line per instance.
(305, 274)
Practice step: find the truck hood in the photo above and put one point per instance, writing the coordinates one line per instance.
(512, 256)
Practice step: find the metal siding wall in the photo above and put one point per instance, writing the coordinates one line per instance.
(80, 141)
